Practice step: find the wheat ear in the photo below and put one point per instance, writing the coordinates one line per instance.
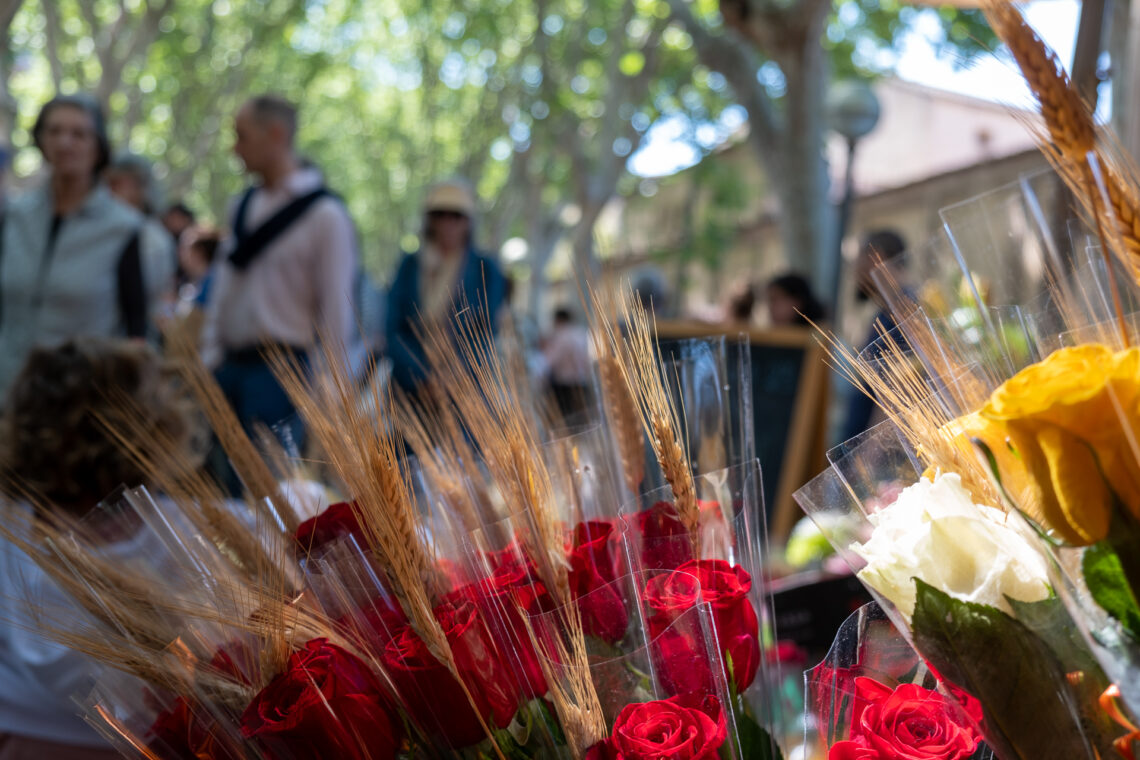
(643, 375)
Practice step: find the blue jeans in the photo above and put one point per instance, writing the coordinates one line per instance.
(259, 400)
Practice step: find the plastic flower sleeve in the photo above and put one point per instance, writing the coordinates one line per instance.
(965, 587)
(142, 721)
(730, 538)
(585, 472)
(1015, 249)
(867, 663)
(710, 381)
(658, 653)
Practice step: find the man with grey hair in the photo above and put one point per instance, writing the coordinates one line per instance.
(286, 271)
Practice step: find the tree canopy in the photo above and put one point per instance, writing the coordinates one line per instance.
(539, 103)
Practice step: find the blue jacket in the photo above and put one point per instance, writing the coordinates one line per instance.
(481, 287)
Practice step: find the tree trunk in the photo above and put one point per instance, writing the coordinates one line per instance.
(586, 266)
(807, 225)
(788, 141)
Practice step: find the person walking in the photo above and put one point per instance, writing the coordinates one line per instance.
(72, 258)
(446, 277)
(286, 272)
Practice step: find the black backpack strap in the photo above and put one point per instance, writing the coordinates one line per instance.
(132, 289)
(251, 244)
(240, 231)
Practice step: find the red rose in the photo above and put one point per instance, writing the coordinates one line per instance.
(681, 660)
(592, 573)
(498, 597)
(236, 660)
(338, 521)
(688, 727)
(377, 622)
(664, 540)
(326, 703)
(431, 695)
(849, 750)
(183, 733)
(479, 660)
(725, 587)
(905, 723)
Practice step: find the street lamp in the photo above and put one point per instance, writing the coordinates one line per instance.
(852, 111)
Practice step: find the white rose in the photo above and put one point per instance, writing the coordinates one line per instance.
(935, 532)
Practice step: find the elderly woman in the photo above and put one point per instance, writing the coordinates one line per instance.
(52, 445)
(72, 257)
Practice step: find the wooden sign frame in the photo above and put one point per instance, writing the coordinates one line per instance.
(807, 433)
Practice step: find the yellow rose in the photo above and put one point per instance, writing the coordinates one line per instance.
(1070, 419)
(963, 431)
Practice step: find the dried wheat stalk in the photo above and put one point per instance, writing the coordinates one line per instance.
(493, 406)
(1071, 129)
(643, 375)
(566, 666)
(364, 454)
(244, 457)
(621, 411)
(177, 474)
(1067, 118)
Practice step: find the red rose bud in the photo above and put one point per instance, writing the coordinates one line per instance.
(664, 538)
(681, 660)
(326, 703)
(377, 622)
(431, 695)
(688, 727)
(183, 733)
(338, 521)
(905, 723)
(479, 661)
(725, 587)
(498, 599)
(592, 571)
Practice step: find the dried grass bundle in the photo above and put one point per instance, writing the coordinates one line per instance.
(899, 387)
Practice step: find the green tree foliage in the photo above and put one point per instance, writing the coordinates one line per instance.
(538, 102)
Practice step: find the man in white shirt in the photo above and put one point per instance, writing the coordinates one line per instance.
(287, 270)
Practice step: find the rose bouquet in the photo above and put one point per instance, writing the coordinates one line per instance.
(970, 591)
(873, 698)
(481, 594)
(721, 554)
(655, 689)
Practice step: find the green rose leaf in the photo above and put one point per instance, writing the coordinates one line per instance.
(1028, 713)
(1105, 578)
(1050, 620)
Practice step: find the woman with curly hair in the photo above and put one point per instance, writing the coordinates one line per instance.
(54, 447)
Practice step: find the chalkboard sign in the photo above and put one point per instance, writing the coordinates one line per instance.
(788, 402)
